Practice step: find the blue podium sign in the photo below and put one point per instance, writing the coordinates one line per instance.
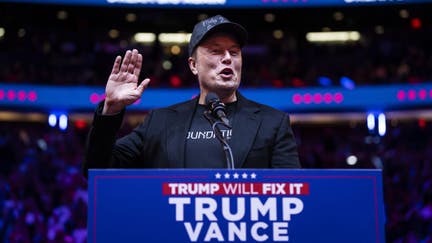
(270, 205)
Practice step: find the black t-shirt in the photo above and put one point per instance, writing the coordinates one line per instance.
(203, 149)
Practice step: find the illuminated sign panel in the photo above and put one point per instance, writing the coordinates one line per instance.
(244, 205)
(289, 99)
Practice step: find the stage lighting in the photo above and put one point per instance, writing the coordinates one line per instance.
(174, 38)
(2, 32)
(142, 37)
(63, 122)
(347, 82)
(381, 124)
(351, 160)
(333, 36)
(52, 120)
(371, 122)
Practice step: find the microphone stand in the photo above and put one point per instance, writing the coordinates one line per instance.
(226, 148)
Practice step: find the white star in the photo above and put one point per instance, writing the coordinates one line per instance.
(253, 175)
(227, 176)
(236, 176)
(244, 176)
(218, 176)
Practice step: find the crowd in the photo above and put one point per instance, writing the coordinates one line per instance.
(43, 195)
(39, 48)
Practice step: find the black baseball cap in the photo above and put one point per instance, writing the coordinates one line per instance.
(215, 24)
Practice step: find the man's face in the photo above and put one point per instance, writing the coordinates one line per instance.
(217, 62)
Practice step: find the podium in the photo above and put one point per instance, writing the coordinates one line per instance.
(244, 205)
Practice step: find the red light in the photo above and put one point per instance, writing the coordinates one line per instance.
(307, 98)
(338, 97)
(411, 94)
(21, 95)
(175, 81)
(32, 96)
(317, 98)
(2, 94)
(80, 124)
(298, 82)
(400, 95)
(328, 98)
(416, 23)
(277, 83)
(94, 98)
(297, 99)
(11, 95)
(422, 123)
(422, 94)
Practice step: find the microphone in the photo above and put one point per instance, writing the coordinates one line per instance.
(217, 108)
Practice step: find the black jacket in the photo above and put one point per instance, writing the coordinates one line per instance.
(262, 138)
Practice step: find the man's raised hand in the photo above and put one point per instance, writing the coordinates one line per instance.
(122, 88)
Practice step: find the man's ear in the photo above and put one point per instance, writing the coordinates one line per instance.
(192, 65)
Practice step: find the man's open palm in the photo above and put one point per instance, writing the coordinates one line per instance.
(122, 88)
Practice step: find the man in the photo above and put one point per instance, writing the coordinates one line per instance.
(180, 136)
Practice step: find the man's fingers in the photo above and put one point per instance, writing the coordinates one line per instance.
(133, 60)
(138, 65)
(126, 61)
(141, 87)
(116, 65)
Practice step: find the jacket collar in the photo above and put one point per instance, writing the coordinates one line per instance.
(245, 127)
